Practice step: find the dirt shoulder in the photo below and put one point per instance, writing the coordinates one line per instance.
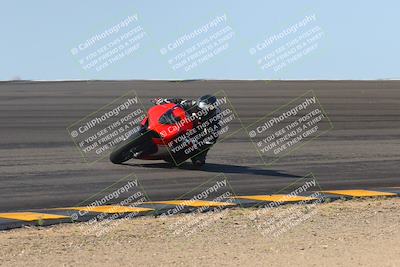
(350, 233)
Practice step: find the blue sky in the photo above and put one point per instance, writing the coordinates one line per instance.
(360, 38)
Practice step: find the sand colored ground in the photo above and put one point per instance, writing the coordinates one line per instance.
(351, 233)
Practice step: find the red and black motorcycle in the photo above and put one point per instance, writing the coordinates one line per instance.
(165, 128)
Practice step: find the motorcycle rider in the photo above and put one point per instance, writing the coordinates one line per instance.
(206, 106)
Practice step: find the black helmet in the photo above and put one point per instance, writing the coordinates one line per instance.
(206, 102)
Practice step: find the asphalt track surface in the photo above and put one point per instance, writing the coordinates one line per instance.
(41, 168)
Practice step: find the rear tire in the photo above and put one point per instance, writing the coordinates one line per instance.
(198, 162)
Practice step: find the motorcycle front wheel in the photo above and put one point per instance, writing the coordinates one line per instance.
(124, 151)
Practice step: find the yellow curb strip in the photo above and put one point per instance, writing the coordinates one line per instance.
(193, 203)
(276, 198)
(31, 216)
(360, 193)
(109, 209)
(36, 216)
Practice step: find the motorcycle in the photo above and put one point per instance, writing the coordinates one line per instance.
(166, 133)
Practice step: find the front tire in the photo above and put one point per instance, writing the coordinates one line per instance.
(122, 154)
(124, 151)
